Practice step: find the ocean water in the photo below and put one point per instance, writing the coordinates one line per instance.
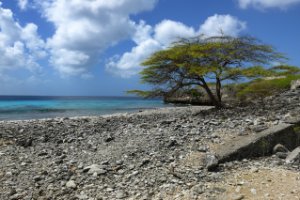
(35, 107)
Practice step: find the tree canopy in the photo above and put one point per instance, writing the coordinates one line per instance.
(203, 61)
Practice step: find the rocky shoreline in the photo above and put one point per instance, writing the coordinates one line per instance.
(153, 154)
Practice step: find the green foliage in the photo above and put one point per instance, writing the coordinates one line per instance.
(261, 88)
(249, 73)
(284, 70)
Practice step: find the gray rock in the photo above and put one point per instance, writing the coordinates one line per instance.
(82, 196)
(238, 197)
(71, 184)
(202, 148)
(121, 194)
(172, 143)
(25, 142)
(99, 169)
(294, 156)
(282, 155)
(215, 123)
(37, 178)
(12, 191)
(295, 84)
(109, 138)
(198, 189)
(279, 148)
(259, 128)
(211, 162)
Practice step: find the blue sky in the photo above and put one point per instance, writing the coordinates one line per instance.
(94, 47)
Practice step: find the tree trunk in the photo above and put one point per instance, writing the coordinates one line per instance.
(218, 90)
(212, 97)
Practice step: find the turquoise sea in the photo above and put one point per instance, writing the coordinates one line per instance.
(36, 107)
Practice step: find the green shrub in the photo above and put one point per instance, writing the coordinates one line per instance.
(261, 88)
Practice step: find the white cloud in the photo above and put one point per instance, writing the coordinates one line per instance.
(23, 4)
(227, 24)
(263, 4)
(20, 47)
(150, 39)
(129, 63)
(84, 29)
(169, 31)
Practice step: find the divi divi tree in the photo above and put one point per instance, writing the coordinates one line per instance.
(207, 62)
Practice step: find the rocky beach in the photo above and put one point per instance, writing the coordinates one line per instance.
(152, 154)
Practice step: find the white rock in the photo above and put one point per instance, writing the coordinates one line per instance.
(295, 84)
(71, 184)
(253, 191)
(92, 169)
(293, 156)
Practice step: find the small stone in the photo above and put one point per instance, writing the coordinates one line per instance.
(259, 128)
(82, 196)
(198, 189)
(267, 195)
(43, 153)
(211, 162)
(202, 149)
(293, 156)
(215, 123)
(37, 178)
(254, 170)
(172, 143)
(101, 172)
(121, 195)
(238, 189)
(25, 142)
(131, 167)
(106, 162)
(243, 132)
(279, 148)
(295, 84)
(80, 166)
(119, 162)
(257, 122)
(8, 174)
(12, 191)
(145, 161)
(109, 138)
(241, 183)
(238, 197)
(95, 169)
(71, 184)
(282, 155)
(253, 191)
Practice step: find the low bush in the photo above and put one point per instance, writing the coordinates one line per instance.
(261, 88)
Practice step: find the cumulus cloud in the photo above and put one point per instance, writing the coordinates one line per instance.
(84, 29)
(263, 4)
(23, 4)
(20, 47)
(227, 24)
(149, 39)
(169, 31)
